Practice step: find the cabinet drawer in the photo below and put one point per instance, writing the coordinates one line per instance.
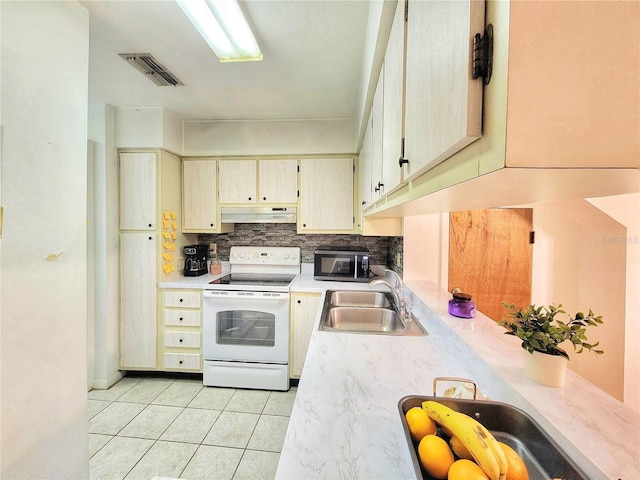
(182, 361)
(182, 299)
(190, 318)
(182, 339)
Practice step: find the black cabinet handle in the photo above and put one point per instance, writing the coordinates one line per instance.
(180, 318)
(150, 225)
(264, 198)
(211, 224)
(299, 301)
(180, 340)
(180, 300)
(150, 238)
(180, 362)
(377, 189)
(249, 198)
(402, 161)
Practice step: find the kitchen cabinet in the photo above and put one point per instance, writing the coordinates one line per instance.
(364, 164)
(138, 324)
(150, 247)
(392, 105)
(560, 115)
(304, 308)
(326, 195)
(182, 332)
(278, 181)
(138, 191)
(443, 110)
(200, 195)
(238, 181)
(264, 181)
(377, 181)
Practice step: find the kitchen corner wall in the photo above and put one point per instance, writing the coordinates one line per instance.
(385, 250)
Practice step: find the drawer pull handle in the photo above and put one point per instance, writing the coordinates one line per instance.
(180, 340)
(181, 319)
(180, 362)
(180, 300)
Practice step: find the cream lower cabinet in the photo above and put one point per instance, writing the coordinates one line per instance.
(181, 330)
(326, 195)
(304, 308)
(138, 318)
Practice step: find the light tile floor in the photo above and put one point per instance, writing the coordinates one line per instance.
(143, 427)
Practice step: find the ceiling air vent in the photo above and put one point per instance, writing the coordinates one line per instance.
(153, 69)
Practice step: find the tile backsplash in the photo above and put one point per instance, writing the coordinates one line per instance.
(383, 249)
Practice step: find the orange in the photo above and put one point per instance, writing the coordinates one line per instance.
(459, 449)
(517, 470)
(435, 456)
(419, 423)
(464, 469)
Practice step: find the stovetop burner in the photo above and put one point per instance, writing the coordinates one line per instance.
(258, 280)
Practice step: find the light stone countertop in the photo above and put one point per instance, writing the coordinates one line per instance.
(345, 421)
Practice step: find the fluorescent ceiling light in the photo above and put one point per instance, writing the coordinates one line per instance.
(224, 27)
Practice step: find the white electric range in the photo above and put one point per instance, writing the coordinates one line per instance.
(246, 319)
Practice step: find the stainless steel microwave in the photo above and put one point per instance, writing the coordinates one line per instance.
(343, 264)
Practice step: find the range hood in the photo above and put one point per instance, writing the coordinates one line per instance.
(258, 214)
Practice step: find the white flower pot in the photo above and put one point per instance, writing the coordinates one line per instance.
(545, 369)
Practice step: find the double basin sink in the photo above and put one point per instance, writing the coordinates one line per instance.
(365, 311)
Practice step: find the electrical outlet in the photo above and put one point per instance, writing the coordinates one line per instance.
(213, 248)
(398, 258)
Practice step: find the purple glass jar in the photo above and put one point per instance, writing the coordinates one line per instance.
(462, 306)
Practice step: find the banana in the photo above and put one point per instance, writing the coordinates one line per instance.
(474, 438)
(494, 446)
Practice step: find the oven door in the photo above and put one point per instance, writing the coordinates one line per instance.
(246, 326)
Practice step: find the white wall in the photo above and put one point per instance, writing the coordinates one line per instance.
(105, 247)
(282, 137)
(584, 257)
(43, 269)
(148, 127)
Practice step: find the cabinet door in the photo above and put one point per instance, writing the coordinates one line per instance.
(365, 170)
(326, 194)
(237, 181)
(138, 321)
(377, 182)
(138, 191)
(278, 181)
(444, 104)
(304, 308)
(392, 109)
(199, 195)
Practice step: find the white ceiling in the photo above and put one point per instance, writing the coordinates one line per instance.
(313, 60)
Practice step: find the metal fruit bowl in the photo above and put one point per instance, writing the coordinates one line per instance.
(542, 455)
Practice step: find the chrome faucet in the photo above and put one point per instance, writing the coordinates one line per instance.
(402, 305)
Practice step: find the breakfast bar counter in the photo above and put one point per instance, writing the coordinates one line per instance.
(345, 421)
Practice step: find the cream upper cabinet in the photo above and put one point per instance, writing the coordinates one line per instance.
(443, 108)
(278, 181)
(199, 194)
(377, 125)
(365, 169)
(304, 308)
(238, 181)
(326, 195)
(392, 109)
(550, 116)
(138, 191)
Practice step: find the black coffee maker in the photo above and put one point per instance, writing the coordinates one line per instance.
(195, 260)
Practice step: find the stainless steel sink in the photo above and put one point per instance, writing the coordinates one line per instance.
(354, 298)
(364, 312)
(364, 319)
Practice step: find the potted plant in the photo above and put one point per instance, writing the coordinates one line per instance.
(542, 333)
